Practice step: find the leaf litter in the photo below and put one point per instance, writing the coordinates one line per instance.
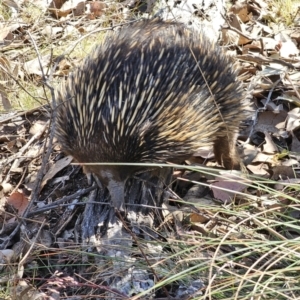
(217, 203)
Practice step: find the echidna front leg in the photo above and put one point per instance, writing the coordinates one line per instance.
(225, 151)
(117, 194)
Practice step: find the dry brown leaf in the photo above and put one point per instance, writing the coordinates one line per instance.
(19, 201)
(79, 9)
(282, 172)
(293, 119)
(230, 184)
(268, 121)
(96, 9)
(54, 8)
(240, 8)
(34, 66)
(264, 158)
(14, 145)
(232, 37)
(259, 169)
(198, 218)
(58, 166)
(269, 147)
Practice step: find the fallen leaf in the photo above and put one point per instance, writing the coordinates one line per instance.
(198, 218)
(269, 147)
(293, 119)
(58, 166)
(267, 121)
(282, 172)
(258, 169)
(226, 186)
(34, 66)
(19, 201)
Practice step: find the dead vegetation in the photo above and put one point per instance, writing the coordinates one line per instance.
(224, 235)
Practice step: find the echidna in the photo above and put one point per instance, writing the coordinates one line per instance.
(153, 92)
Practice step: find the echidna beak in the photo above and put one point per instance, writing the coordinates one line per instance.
(117, 194)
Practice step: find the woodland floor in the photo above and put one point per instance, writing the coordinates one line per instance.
(226, 235)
